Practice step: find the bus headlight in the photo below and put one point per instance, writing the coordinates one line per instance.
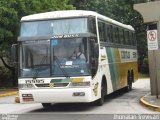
(80, 84)
(26, 86)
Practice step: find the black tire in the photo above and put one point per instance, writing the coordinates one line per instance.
(46, 105)
(130, 80)
(100, 101)
(130, 87)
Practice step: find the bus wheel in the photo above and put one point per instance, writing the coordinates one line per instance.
(100, 101)
(46, 105)
(130, 80)
(130, 87)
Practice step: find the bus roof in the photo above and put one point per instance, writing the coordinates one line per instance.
(72, 13)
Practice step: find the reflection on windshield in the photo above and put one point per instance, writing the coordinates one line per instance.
(54, 27)
(35, 55)
(35, 59)
(57, 57)
(71, 55)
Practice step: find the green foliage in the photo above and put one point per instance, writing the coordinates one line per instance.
(8, 17)
(5, 77)
(122, 11)
(11, 12)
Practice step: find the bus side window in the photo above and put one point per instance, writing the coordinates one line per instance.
(105, 32)
(130, 38)
(126, 37)
(132, 42)
(120, 36)
(109, 33)
(116, 35)
(101, 28)
(134, 39)
(92, 25)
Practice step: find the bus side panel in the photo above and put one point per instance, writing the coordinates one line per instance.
(114, 72)
(120, 61)
(128, 61)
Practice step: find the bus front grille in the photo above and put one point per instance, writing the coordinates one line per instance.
(51, 85)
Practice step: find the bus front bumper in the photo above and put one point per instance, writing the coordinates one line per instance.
(69, 95)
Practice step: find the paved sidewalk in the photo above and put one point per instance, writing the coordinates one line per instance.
(8, 92)
(150, 102)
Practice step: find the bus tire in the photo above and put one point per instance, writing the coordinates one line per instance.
(46, 105)
(130, 87)
(100, 101)
(130, 79)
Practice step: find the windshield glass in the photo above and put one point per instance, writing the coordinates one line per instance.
(35, 59)
(53, 27)
(55, 57)
(69, 57)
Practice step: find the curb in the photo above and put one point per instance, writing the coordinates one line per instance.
(9, 94)
(148, 105)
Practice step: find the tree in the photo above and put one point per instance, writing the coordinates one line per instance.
(11, 12)
(122, 11)
(126, 14)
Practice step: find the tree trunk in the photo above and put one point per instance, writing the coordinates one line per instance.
(13, 70)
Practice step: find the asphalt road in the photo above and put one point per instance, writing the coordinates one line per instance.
(120, 102)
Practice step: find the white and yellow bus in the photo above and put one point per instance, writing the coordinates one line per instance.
(48, 72)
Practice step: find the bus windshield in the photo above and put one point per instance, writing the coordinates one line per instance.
(55, 57)
(53, 27)
(35, 59)
(69, 56)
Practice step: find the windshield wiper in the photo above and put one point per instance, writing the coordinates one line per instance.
(63, 71)
(42, 61)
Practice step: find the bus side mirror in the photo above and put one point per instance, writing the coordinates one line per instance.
(14, 52)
